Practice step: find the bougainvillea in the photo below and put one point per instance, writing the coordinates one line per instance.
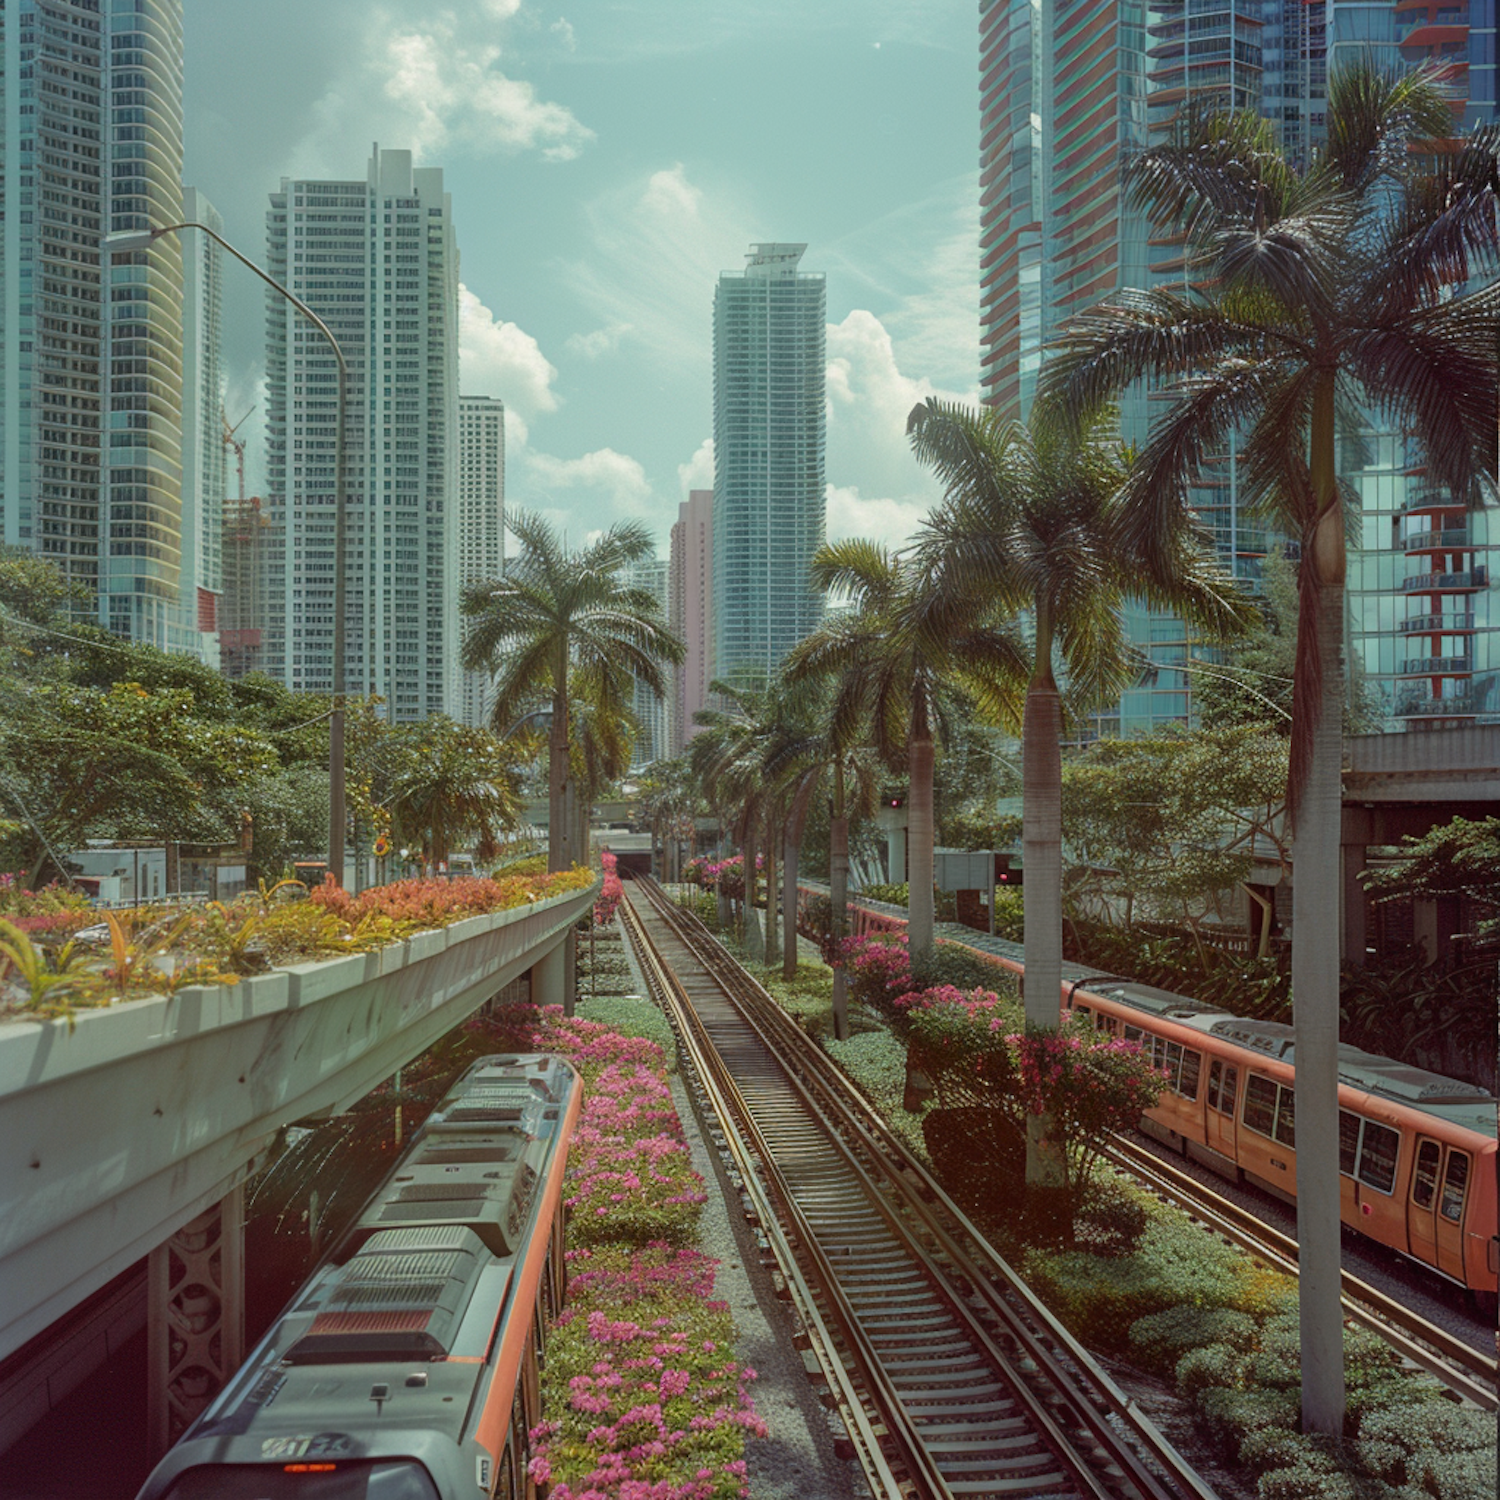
(644, 1398)
(879, 969)
(613, 892)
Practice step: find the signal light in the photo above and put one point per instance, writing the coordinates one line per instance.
(309, 1468)
(895, 802)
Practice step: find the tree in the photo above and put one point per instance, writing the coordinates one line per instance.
(1037, 519)
(555, 611)
(457, 782)
(1461, 858)
(901, 666)
(1367, 273)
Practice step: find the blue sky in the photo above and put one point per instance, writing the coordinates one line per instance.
(607, 161)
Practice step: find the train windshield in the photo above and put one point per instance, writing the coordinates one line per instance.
(304, 1481)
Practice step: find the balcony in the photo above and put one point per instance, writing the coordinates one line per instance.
(1436, 541)
(1437, 624)
(1437, 666)
(1426, 707)
(1429, 498)
(1473, 578)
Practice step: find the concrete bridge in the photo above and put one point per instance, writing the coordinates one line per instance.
(126, 1127)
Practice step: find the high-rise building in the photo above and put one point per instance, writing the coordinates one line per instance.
(768, 499)
(690, 572)
(377, 260)
(1067, 92)
(481, 522)
(653, 714)
(201, 578)
(91, 449)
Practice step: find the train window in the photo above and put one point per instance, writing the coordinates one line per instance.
(1424, 1174)
(1260, 1104)
(1215, 1073)
(1286, 1118)
(1231, 1084)
(1455, 1180)
(299, 1481)
(1348, 1142)
(1192, 1065)
(1377, 1156)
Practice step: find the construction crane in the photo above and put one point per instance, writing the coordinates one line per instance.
(244, 526)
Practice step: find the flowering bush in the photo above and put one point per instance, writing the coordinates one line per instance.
(54, 912)
(613, 892)
(644, 1400)
(971, 1043)
(879, 969)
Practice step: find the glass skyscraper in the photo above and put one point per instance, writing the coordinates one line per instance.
(481, 523)
(769, 434)
(91, 452)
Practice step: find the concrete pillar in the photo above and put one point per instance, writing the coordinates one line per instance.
(549, 975)
(570, 971)
(195, 1318)
(895, 857)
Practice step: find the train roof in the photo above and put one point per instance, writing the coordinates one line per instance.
(383, 1351)
(1450, 1099)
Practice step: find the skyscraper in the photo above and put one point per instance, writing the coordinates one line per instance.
(377, 260)
(481, 521)
(653, 714)
(91, 450)
(201, 581)
(768, 499)
(690, 611)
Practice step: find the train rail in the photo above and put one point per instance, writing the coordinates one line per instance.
(1467, 1372)
(952, 1379)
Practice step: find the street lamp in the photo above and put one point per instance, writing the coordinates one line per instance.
(123, 241)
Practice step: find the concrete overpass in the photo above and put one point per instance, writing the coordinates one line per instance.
(122, 1126)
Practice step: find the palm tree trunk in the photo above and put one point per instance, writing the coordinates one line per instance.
(1315, 967)
(838, 900)
(919, 905)
(1041, 843)
(559, 857)
(750, 935)
(773, 894)
(794, 826)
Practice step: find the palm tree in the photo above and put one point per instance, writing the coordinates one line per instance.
(1036, 520)
(555, 612)
(898, 663)
(453, 782)
(1368, 274)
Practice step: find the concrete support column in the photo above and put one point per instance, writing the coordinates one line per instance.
(549, 974)
(570, 971)
(895, 855)
(1355, 935)
(195, 1318)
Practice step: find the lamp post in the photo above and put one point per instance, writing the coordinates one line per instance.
(123, 241)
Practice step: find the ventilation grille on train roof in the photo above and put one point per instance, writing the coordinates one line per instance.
(1413, 1085)
(402, 1297)
(1274, 1038)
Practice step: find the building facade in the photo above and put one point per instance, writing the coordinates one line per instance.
(377, 260)
(481, 522)
(653, 714)
(690, 570)
(91, 460)
(1068, 91)
(769, 440)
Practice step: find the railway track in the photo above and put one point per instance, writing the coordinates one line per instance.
(951, 1378)
(1468, 1373)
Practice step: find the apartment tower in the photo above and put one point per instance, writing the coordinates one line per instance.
(481, 523)
(768, 498)
(653, 714)
(91, 462)
(377, 260)
(690, 570)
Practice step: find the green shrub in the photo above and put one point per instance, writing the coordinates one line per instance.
(1214, 1364)
(1314, 1476)
(1159, 1340)
(631, 1016)
(1273, 1448)
(1230, 1415)
(1111, 1218)
(1432, 1445)
(876, 1062)
(964, 969)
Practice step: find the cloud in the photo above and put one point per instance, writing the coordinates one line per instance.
(562, 29)
(656, 249)
(606, 485)
(889, 521)
(600, 342)
(698, 472)
(499, 359)
(437, 87)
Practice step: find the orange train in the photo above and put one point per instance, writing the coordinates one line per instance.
(407, 1367)
(1417, 1151)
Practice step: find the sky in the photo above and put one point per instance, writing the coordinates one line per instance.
(607, 159)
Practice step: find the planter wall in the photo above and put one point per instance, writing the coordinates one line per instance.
(113, 1134)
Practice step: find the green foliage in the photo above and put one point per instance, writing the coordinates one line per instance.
(631, 1016)
(1212, 1365)
(943, 902)
(1160, 1339)
(964, 969)
(876, 1062)
(1461, 858)
(979, 828)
